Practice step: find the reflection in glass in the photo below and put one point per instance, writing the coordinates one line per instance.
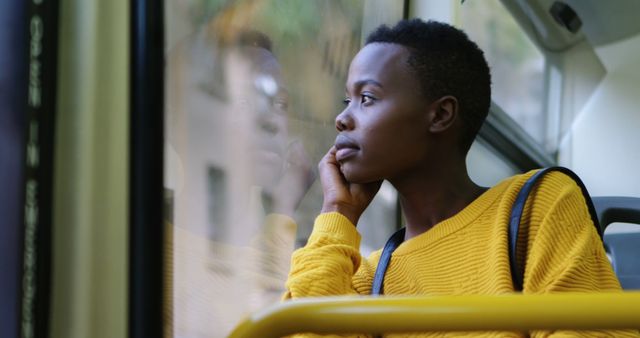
(517, 66)
(228, 131)
(252, 90)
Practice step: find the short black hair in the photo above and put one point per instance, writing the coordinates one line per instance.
(446, 62)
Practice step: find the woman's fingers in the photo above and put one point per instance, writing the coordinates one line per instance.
(350, 199)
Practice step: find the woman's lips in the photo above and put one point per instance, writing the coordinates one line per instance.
(345, 153)
(345, 147)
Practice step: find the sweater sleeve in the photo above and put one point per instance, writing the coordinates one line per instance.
(565, 252)
(327, 264)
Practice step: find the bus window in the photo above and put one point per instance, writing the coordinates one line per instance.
(252, 91)
(486, 166)
(517, 66)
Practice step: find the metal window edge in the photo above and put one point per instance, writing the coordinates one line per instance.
(505, 136)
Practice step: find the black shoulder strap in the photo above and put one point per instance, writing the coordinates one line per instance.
(517, 273)
(397, 238)
(392, 244)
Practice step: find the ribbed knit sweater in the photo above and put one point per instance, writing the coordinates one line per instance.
(467, 254)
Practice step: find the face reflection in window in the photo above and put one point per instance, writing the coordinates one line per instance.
(228, 135)
(232, 116)
(256, 98)
(252, 89)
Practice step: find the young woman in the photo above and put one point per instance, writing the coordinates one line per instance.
(416, 96)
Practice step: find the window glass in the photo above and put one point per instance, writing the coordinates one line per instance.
(252, 90)
(486, 166)
(517, 66)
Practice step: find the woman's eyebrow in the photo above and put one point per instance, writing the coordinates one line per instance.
(362, 83)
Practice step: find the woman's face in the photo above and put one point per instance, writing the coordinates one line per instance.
(383, 128)
(259, 102)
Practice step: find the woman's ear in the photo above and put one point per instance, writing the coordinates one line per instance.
(443, 113)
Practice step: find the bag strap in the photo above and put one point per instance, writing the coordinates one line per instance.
(392, 244)
(517, 273)
(517, 209)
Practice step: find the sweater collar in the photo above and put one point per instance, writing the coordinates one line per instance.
(458, 221)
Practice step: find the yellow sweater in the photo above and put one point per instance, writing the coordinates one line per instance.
(468, 253)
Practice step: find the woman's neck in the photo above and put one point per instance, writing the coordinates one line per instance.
(428, 198)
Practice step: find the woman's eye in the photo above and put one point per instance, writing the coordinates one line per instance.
(280, 104)
(367, 99)
(346, 101)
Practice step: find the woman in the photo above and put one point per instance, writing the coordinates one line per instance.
(416, 96)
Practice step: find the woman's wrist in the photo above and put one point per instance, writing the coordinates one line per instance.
(345, 211)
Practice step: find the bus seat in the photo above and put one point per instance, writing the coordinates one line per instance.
(623, 248)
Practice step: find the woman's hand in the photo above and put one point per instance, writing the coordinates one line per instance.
(349, 199)
(296, 179)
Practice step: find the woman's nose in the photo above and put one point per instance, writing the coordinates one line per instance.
(344, 121)
(270, 122)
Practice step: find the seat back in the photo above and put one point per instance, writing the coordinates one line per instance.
(623, 248)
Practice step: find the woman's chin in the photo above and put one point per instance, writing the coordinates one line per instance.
(353, 175)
